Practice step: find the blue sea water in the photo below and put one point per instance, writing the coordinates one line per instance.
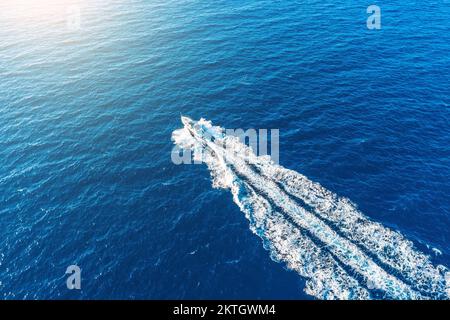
(86, 118)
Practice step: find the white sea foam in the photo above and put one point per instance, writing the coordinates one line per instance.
(324, 238)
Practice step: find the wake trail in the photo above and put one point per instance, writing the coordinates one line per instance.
(341, 253)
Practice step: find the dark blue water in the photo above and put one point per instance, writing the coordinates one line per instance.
(86, 118)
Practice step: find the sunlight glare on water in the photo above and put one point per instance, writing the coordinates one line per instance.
(27, 12)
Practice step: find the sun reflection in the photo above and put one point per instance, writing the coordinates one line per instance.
(39, 10)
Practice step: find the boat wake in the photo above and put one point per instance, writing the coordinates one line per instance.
(341, 253)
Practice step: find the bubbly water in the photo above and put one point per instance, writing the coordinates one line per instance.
(323, 237)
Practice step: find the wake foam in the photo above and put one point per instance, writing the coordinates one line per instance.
(324, 238)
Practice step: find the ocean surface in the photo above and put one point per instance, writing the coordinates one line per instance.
(87, 116)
